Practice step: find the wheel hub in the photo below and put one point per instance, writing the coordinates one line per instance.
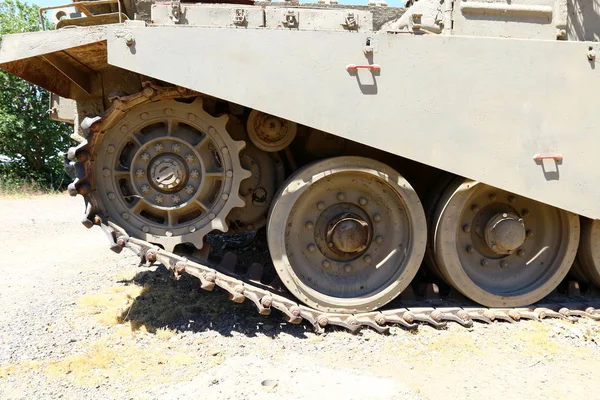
(505, 233)
(271, 130)
(168, 173)
(349, 234)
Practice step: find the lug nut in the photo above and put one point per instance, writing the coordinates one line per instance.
(520, 252)
(175, 198)
(124, 129)
(158, 147)
(320, 205)
(474, 208)
(192, 229)
(106, 172)
(224, 196)
(211, 216)
(229, 173)
(194, 173)
(158, 198)
(347, 268)
(326, 264)
(175, 148)
(139, 173)
(125, 216)
(145, 157)
(189, 158)
(225, 150)
(309, 225)
(168, 111)
(367, 259)
(379, 239)
(145, 189)
(528, 233)
(311, 247)
(189, 189)
(362, 201)
(144, 115)
(504, 264)
(466, 228)
(168, 233)
(341, 196)
(145, 229)
(110, 148)
(469, 249)
(330, 244)
(483, 262)
(111, 196)
(377, 218)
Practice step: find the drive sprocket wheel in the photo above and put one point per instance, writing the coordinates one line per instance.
(169, 173)
(588, 254)
(500, 249)
(346, 234)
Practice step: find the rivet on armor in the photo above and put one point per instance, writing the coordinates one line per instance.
(110, 148)
(145, 157)
(158, 199)
(158, 147)
(175, 148)
(224, 196)
(341, 196)
(211, 216)
(320, 205)
(194, 173)
(229, 173)
(309, 225)
(363, 201)
(139, 173)
(169, 233)
(145, 229)
(106, 172)
(189, 158)
(326, 264)
(112, 196)
(225, 150)
(168, 111)
(311, 247)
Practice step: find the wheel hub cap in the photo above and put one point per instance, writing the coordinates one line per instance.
(505, 233)
(168, 173)
(349, 234)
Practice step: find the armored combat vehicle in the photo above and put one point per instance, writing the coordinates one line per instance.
(429, 164)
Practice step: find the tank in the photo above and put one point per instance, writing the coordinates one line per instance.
(392, 165)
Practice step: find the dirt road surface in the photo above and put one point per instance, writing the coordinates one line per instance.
(77, 321)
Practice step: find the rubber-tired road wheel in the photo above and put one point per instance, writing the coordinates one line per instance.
(346, 234)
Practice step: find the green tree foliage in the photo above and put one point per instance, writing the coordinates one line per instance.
(27, 136)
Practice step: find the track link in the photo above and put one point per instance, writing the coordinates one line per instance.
(240, 289)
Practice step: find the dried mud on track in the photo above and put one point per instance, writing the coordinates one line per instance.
(64, 295)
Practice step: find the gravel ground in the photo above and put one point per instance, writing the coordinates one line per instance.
(78, 321)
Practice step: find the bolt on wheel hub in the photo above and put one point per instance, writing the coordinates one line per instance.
(505, 233)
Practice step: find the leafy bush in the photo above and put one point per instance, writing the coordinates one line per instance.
(31, 141)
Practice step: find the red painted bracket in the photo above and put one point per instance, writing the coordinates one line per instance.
(555, 157)
(354, 67)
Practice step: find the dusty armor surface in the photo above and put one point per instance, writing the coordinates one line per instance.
(427, 164)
